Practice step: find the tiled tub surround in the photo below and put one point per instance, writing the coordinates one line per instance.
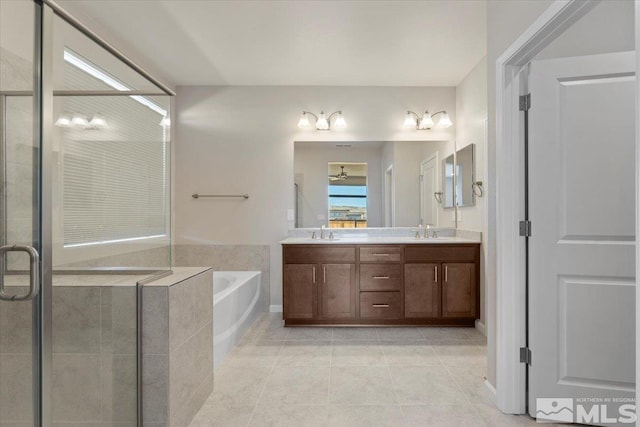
(94, 352)
(148, 259)
(177, 346)
(228, 258)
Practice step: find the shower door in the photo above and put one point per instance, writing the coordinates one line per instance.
(20, 214)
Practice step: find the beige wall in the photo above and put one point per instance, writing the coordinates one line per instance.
(240, 140)
(471, 113)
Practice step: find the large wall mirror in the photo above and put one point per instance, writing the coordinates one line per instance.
(371, 184)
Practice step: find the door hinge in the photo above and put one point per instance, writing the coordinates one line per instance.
(525, 102)
(525, 228)
(525, 355)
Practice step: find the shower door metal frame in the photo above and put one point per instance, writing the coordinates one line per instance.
(43, 95)
(41, 358)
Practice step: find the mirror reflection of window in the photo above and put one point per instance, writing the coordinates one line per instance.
(459, 175)
(448, 181)
(347, 195)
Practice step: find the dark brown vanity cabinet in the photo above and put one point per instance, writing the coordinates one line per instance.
(338, 291)
(421, 290)
(299, 291)
(419, 284)
(319, 283)
(441, 283)
(459, 290)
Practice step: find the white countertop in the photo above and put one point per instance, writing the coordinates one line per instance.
(382, 240)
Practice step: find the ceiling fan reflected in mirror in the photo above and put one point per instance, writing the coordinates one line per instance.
(339, 177)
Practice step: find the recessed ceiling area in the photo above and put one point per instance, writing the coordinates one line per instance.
(306, 43)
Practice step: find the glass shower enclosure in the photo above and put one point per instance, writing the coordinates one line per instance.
(84, 219)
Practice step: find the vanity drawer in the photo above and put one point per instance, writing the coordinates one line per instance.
(337, 254)
(380, 277)
(380, 305)
(441, 253)
(380, 253)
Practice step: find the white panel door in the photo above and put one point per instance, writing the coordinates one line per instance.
(428, 188)
(581, 260)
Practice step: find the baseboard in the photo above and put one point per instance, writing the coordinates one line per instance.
(492, 390)
(275, 309)
(481, 327)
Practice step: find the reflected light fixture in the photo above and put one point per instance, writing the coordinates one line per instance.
(426, 121)
(322, 122)
(79, 120)
(98, 122)
(64, 121)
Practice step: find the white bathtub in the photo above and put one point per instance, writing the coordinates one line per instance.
(235, 307)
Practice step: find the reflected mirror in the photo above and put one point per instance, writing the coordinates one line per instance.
(370, 184)
(465, 176)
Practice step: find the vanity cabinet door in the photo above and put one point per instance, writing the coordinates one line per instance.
(300, 294)
(421, 290)
(459, 290)
(337, 291)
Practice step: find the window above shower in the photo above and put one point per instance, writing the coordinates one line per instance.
(111, 145)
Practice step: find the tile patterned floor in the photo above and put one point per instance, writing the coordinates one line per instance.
(387, 377)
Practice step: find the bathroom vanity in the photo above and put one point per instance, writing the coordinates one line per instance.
(381, 281)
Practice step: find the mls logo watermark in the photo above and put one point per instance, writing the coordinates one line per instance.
(556, 410)
(586, 410)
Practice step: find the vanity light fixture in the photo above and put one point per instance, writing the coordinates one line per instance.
(322, 122)
(98, 122)
(426, 121)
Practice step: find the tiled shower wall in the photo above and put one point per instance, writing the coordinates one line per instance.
(228, 258)
(177, 347)
(94, 357)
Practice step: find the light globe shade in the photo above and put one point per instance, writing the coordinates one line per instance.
(64, 121)
(410, 120)
(322, 123)
(340, 122)
(445, 121)
(80, 120)
(303, 123)
(426, 122)
(98, 121)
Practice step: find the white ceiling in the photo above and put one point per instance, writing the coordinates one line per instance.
(337, 43)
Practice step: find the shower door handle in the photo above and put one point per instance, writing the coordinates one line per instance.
(34, 282)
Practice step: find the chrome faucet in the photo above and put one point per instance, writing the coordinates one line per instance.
(322, 232)
(426, 230)
(417, 231)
